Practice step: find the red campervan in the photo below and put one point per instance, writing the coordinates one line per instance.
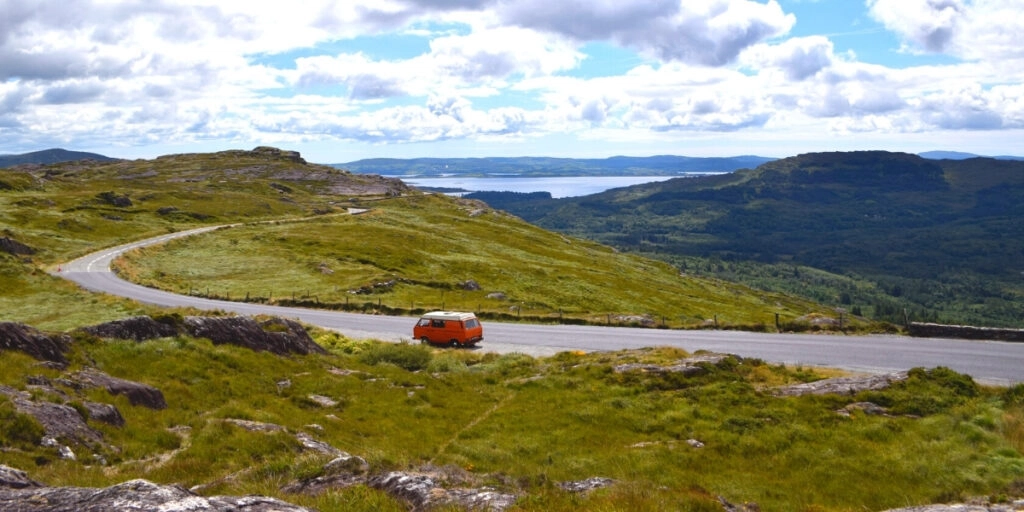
(449, 328)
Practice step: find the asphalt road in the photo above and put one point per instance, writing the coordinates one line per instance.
(990, 362)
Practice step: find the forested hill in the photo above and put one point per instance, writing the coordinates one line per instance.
(894, 231)
(50, 156)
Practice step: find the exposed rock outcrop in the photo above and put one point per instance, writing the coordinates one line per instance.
(138, 328)
(137, 393)
(59, 421)
(691, 366)
(132, 496)
(277, 335)
(11, 478)
(423, 492)
(587, 485)
(843, 385)
(12, 246)
(104, 412)
(274, 153)
(865, 407)
(114, 199)
(42, 346)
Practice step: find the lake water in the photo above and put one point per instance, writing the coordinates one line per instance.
(570, 186)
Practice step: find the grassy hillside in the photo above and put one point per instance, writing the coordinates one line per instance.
(475, 417)
(418, 252)
(64, 210)
(517, 424)
(880, 232)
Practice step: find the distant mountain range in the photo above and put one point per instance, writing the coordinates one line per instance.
(50, 156)
(664, 165)
(957, 155)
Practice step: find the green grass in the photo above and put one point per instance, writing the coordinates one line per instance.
(425, 247)
(513, 421)
(64, 210)
(523, 424)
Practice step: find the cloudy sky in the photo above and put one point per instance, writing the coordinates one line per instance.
(350, 79)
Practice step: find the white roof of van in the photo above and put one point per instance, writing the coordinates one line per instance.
(448, 315)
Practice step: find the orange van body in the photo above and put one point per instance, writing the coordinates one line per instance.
(449, 328)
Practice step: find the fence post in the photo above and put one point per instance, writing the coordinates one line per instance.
(778, 328)
(716, 321)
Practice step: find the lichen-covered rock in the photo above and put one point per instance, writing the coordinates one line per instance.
(587, 485)
(133, 496)
(843, 385)
(138, 328)
(11, 478)
(313, 444)
(868, 408)
(343, 471)
(277, 335)
(59, 421)
(689, 367)
(137, 393)
(42, 346)
(104, 412)
(423, 492)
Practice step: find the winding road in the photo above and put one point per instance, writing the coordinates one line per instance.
(990, 362)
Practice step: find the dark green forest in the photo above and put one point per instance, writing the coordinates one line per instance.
(885, 235)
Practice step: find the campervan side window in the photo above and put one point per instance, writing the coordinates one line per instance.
(424, 322)
(471, 323)
(437, 323)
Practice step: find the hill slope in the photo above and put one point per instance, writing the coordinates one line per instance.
(942, 238)
(51, 156)
(409, 252)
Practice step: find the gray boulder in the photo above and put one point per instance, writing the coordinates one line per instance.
(423, 492)
(582, 486)
(133, 496)
(137, 393)
(277, 335)
(11, 478)
(843, 385)
(12, 246)
(138, 328)
(42, 346)
(104, 412)
(59, 421)
(689, 367)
